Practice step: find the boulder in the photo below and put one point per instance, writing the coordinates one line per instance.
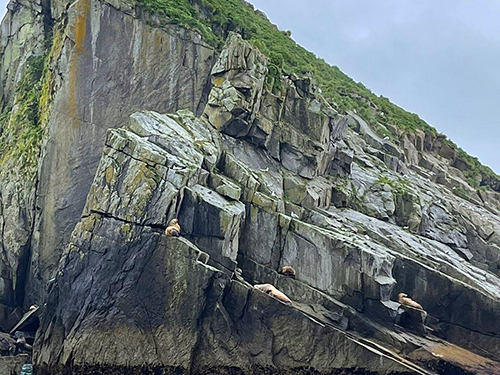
(378, 202)
(237, 78)
(438, 224)
(412, 319)
(211, 221)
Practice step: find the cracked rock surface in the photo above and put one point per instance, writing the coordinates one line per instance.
(126, 295)
(258, 180)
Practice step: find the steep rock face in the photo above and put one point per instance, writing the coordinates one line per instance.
(94, 80)
(259, 203)
(109, 64)
(23, 33)
(144, 279)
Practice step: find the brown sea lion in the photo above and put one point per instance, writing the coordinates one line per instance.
(172, 232)
(175, 223)
(288, 271)
(405, 300)
(173, 228)
(272, 291)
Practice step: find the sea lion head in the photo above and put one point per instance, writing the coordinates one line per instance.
(288, 271)
(266, 288)
(172, 232)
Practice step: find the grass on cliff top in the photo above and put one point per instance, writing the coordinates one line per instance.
(213, 19)
(476, 171)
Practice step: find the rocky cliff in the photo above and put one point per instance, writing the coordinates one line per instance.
(115, 121)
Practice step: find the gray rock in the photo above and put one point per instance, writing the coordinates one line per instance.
(439, 224)
(22, 35)
(237, 78)
(13, 365)
(225, 187)
(412, 319)
(379, 202)
(150, 68)
(211, 221)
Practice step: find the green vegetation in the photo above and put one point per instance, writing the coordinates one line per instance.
(22, 133)
(185, 13)
(399, 186)
(213, 19)
(23, 124)
(475, 172)
(464, 195)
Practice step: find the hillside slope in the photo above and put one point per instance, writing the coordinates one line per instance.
(215, 18)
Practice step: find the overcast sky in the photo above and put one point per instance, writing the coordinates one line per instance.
(3, 4)
(439, 59)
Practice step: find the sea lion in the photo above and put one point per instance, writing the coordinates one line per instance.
(175, 223)
(272, 291)
(405, 300)
(173, 228)
(172, 232)
(288, 271)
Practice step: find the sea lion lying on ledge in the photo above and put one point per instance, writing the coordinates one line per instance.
(288, 271)
(272, 291)
(405, 300)
(173, 229)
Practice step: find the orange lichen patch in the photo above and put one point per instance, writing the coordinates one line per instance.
(457, 354)
(109, 174)
(82, 8)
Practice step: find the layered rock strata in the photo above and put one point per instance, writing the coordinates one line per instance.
(145, 123)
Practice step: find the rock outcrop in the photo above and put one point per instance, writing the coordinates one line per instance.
(144, 123)
(258, 203)
(146, 280)
(111, 65)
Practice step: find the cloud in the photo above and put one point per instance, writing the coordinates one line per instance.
(3, 8)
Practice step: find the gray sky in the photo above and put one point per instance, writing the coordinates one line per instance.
(3, 4)
(439, 59)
